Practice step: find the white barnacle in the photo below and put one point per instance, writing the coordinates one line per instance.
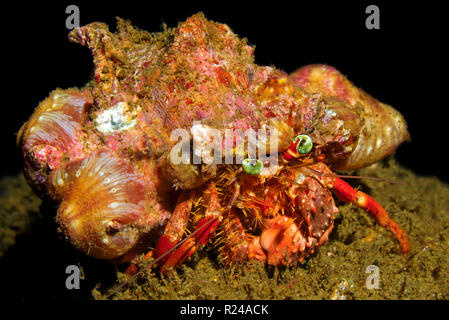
(115, 119)
(77, 173)
(60, 181)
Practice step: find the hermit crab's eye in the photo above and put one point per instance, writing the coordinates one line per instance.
(304, 145)
(252, 166)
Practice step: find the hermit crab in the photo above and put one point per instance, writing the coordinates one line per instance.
(162, 142)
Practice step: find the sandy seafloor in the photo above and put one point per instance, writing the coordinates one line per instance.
(336, 271)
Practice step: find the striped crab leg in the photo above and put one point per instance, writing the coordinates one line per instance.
(203, 232)
(347, 194)
(173, 232)
(175, 227)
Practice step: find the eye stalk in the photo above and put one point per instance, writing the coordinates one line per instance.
(302, 144)
(252, 166)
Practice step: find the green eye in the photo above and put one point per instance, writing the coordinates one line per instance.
(252, 166)
(304, 145)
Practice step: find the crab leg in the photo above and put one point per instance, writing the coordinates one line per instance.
(172, 233)
(201, 235)
(238, 245)
(347, 194)
(175, 227)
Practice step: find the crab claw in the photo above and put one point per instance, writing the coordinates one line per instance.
(280, 239)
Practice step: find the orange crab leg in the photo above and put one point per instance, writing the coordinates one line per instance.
(239, 246)
(174, 229)
(203, 232)
(347, 194)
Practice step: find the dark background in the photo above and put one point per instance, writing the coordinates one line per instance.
(404, 64)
